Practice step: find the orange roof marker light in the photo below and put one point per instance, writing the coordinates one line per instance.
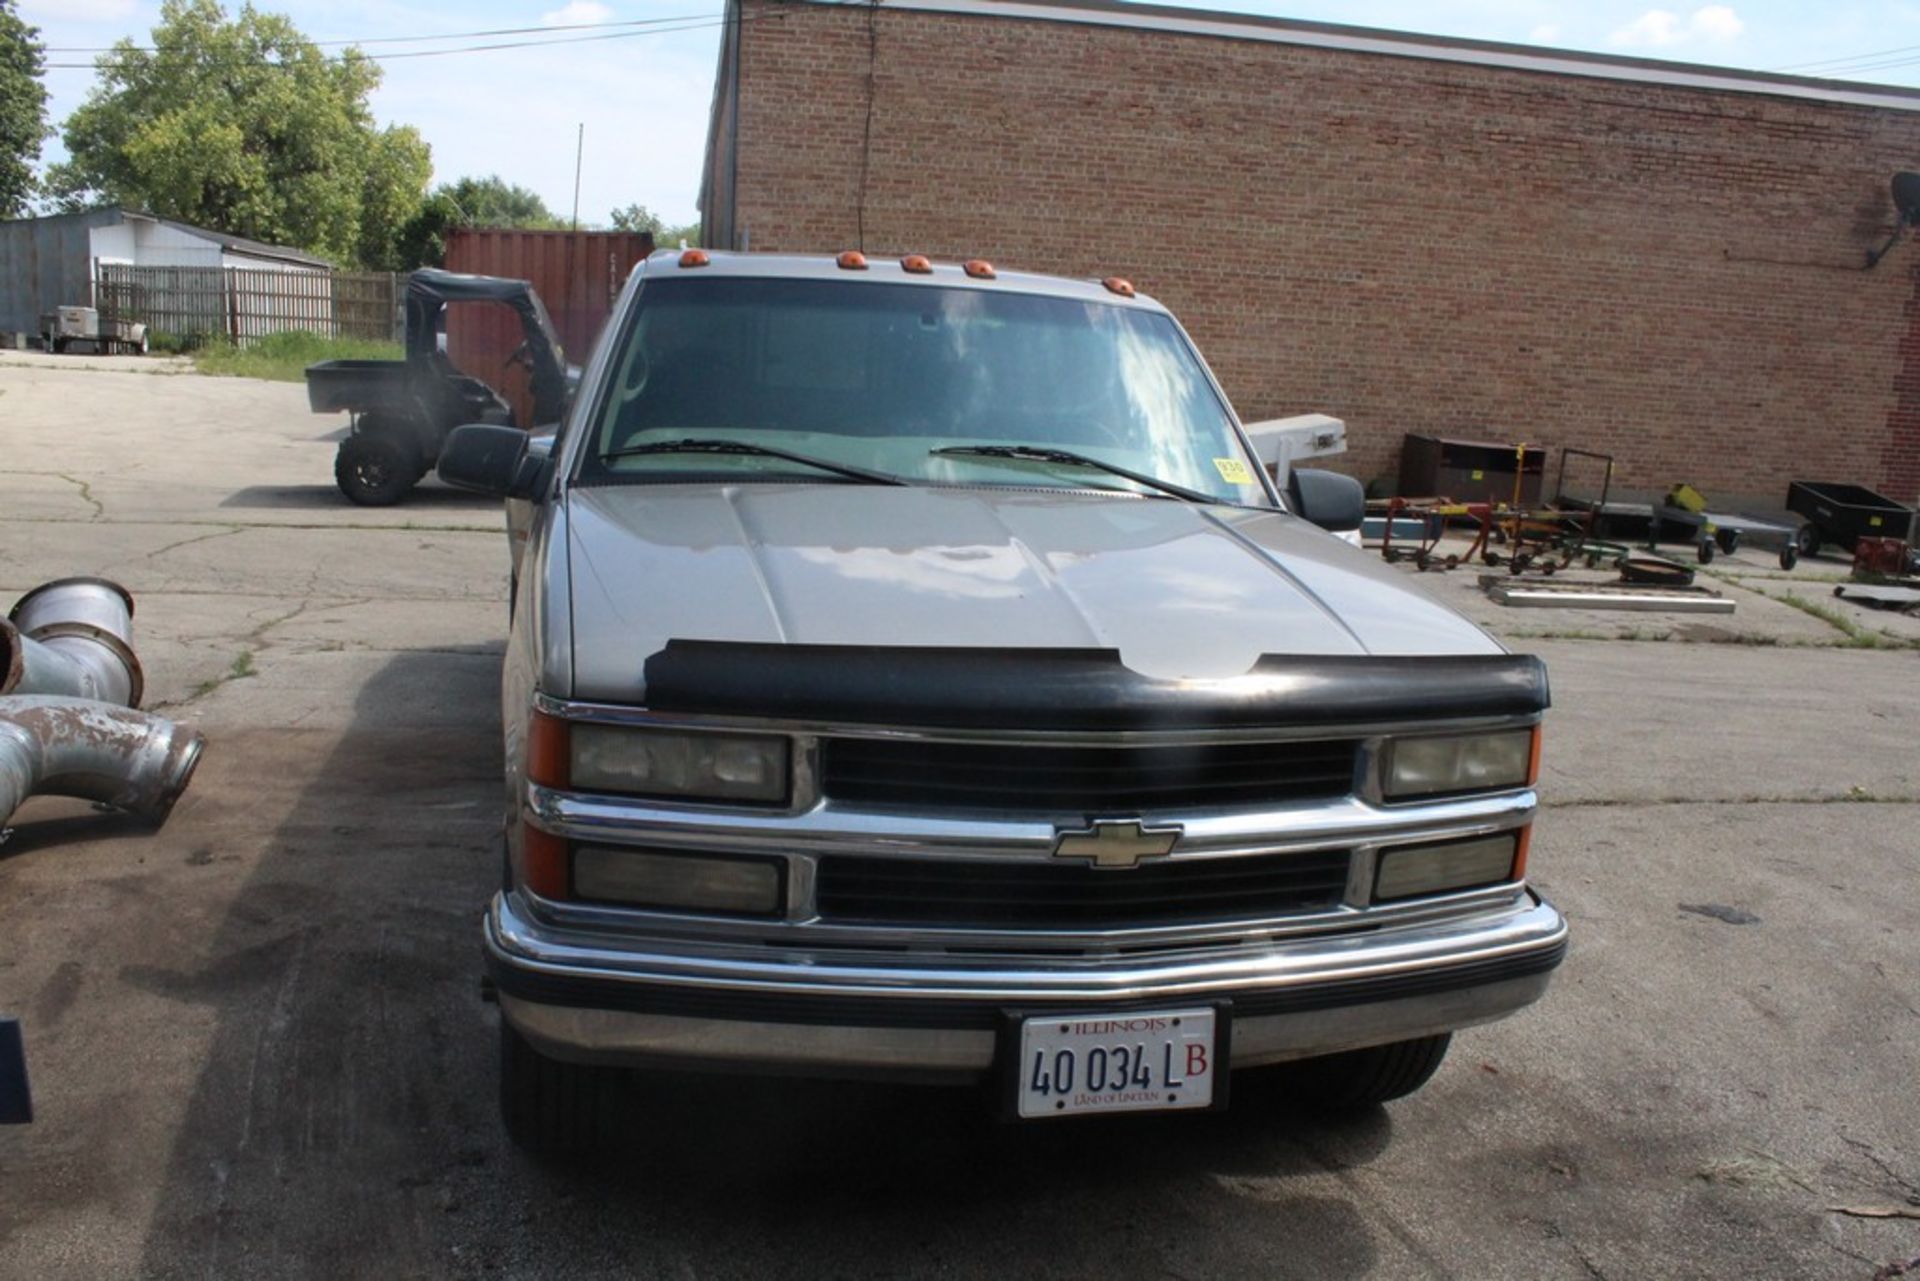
(852, 260)
(917, 264)
(1115, 285)
(694, 258)
(979, 269)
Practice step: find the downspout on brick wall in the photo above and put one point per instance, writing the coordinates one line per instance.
(1900, 456)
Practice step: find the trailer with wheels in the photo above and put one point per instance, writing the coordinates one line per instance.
(1844, 514)
(83, 328)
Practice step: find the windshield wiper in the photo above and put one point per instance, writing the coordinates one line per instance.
(693, 445)
(1038, 454)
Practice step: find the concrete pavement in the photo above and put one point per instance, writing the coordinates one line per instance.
(259, 1047)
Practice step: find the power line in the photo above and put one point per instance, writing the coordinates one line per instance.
(1834, 65)
(487, 48)
(449, 35)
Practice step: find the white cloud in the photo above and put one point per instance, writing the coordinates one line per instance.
(1547, 33)
(1658, 27)
(1717, 22)
(1654, 27)
(580, 13)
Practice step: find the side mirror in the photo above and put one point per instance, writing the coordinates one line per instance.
(494, 460)
(1334, 502)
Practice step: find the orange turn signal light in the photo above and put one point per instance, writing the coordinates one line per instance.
(1115, 285)
(852, 260)
(694, 258)
(979, 269)
(1533, 759)
(917, 264)
(1520, 852)
(549, 751)
(543, 861)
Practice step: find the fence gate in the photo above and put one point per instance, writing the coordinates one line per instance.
(244, 304)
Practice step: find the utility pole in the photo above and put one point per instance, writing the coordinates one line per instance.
(579, 146)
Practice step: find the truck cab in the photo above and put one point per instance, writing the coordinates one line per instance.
(915, 673)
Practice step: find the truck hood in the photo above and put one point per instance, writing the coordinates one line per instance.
(1179, 590)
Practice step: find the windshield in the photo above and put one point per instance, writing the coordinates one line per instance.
(879, 376)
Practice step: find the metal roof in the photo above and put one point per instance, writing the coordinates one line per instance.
(1327, 35)
(234, 244)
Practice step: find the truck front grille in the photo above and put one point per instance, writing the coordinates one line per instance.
(1079, 781)
(979, 894)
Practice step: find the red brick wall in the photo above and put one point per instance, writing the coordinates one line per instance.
(1662, 273)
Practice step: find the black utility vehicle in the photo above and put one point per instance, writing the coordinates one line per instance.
(403, 409)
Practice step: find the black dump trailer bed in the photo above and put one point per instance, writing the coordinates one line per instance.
(1844, 514)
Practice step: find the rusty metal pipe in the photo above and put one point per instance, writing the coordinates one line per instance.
(95, 751)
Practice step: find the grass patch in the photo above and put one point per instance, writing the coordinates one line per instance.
(1857, 637)
(284, 357)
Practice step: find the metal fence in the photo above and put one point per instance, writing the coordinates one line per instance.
(245, 304)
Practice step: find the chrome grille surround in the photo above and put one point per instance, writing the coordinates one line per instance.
(816, 826)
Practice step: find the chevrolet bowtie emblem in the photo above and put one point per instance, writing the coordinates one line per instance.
(1117, 843)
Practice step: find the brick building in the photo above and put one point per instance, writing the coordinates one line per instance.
(1652, 259)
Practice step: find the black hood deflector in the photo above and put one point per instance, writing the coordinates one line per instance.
(1077, 689)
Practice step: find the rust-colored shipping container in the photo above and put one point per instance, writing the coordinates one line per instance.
(577, 274)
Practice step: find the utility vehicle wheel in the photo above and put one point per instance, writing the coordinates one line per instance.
(374, 470)
(1705, 551)
(1729, 540)
(550, 1108)
(1789, 556)
(1363, 1078)
(1807, 539)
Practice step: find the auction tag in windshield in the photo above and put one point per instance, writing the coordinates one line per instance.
(1141, 1061)
(1233, 471)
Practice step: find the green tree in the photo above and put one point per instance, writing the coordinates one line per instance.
(492, 201)
(641, 218)
(23, 109)
(469, 202)
(242, 124)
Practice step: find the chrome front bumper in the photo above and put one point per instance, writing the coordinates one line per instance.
(611, 999)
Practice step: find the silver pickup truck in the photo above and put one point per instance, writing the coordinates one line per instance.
(915, 673)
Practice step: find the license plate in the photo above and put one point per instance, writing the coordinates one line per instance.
(1139, 1062)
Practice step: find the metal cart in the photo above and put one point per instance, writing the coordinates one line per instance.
(1844, 514)
(1722, 531)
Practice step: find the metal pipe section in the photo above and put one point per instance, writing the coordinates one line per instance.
(96, 752)
(73, 666)
(72, 637)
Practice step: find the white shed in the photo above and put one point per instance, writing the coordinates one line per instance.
(143, 240)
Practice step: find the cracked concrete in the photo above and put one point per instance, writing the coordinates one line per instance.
(259, 1049)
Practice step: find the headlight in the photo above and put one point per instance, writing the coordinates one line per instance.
(1459, 763)
(1447, 865)
(657, 762)
(677, 882)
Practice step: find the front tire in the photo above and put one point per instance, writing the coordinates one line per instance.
(374, 470)
(1361, 1079)
(550, 1108)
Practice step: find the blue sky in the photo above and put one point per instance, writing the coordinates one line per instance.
(644, 98)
